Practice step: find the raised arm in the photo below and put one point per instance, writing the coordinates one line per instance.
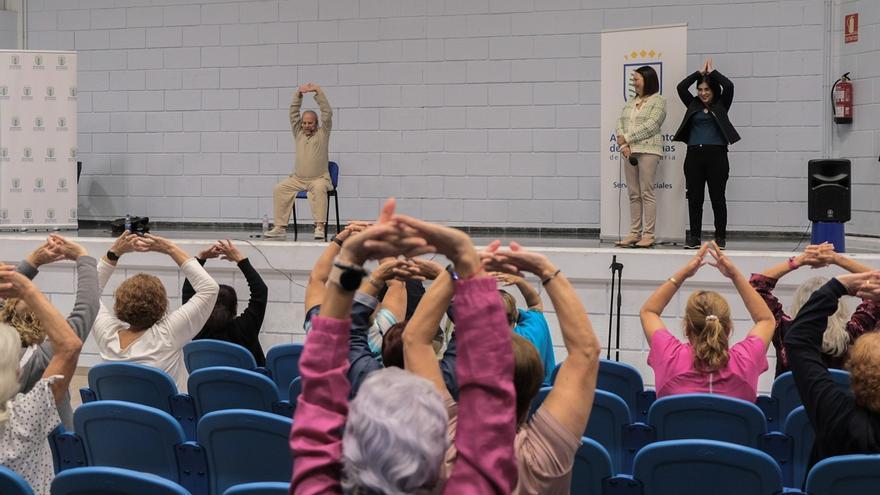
(765, 323)
(211, 251)
(765, 282)
(726, 87)
(324, 108)
(65, 343)
(259, 292)
(321, 269)
(571, 399)
(531, 296)
(418, 339)
(295, 116)
(684, 88)
(657, 302)
(655, 114)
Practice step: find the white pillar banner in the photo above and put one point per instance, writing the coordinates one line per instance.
(38, 147)
(623, 51)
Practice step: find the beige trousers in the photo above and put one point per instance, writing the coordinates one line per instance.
(316, 191)
(640, 187)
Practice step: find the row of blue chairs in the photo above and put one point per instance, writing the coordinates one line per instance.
(626, 382)
(687, 467)
(232, 446)
(210, 389)
(696, 416)
(118, 481)
(282, 361)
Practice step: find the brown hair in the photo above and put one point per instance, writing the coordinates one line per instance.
(864, 368)
(707, 325)
(26, 323)
(528, 375)
(141, 301)
(509, 307)
(392, 345)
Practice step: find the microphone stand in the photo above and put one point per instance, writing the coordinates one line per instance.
(616, 269)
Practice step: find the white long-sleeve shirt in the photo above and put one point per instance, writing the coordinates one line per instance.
(161, 345)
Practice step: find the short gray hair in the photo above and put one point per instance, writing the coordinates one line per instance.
(395, 437)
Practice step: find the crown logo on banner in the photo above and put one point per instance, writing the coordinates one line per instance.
(638, 58)
(643, 54)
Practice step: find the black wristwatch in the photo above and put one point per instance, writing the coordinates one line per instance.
(347, 277)
(112, 256)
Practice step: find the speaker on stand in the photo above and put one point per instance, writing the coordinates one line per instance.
(829, 200)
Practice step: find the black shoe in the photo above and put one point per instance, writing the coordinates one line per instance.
(722, 243)
(692, 244)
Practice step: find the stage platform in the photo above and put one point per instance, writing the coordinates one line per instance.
(285, 266)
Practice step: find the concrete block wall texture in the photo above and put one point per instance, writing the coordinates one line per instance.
(427, 95)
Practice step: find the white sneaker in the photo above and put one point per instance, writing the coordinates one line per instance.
(277, 232)
(319, 233)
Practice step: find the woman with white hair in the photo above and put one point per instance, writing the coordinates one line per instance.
(27, 419)
(842, 329)
(394, 435)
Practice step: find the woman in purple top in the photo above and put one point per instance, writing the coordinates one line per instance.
(707, 363)
(842, 329)
(394, 434)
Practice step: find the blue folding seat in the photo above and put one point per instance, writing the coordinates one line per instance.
(223, 387)
(797, 426)
(785, 398)
(112, 481)
(625, 381)
(245, 446)
(845, 475)
(260, 488)
(592, 466)
(11, 483)
(283, 363)
(205, 353)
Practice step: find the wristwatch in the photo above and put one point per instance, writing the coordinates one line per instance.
(450, 269)
(112, 256)
(348, 277)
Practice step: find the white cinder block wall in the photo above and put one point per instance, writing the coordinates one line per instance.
(472, 112)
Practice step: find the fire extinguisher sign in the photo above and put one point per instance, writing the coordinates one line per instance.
(851, 28)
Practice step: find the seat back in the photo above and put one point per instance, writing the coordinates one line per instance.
(846, 474)
(222, 387)
(294, 390)
(12, 483)
(592, 465)
(539, 399)
(797, 426)
(687, 467)
(112, 481)
(333, 168)
(607, 419)
(245, 446)
(786, 393)
(132, 382)
(205, 353)
(260, 488)
(623, 380)
(130, 436)
(708, 416)
(283, 361)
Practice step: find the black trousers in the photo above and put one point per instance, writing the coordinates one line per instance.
(706, 164)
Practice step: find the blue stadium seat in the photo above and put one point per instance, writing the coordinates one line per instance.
(798, 427)
(283, 362)
(845, 475)
(708, 416)
(222, 387)
(112, 481)
(262, 488)
(608, 419)
(294, 391)
(130, 436)
(626, 381)
(245, 446)
(539, 399)
(13, 484)
(784, 397)
(697, 467)
(144, 385)
(205, 353)
(592, 466)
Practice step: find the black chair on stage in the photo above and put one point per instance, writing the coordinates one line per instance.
(333, 168)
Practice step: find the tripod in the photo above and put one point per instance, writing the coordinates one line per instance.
(616, 270)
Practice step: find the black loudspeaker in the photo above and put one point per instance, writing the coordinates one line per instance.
(829, 198)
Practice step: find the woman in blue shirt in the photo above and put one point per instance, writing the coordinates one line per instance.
(707, 131)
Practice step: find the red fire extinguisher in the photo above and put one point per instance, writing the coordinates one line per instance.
(842, 100)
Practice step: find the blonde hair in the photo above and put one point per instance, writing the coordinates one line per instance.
(835, 340)
(864, 368)
(26, 323)
(707, 324)
(141, 301)
(509, 307)
(10, 354)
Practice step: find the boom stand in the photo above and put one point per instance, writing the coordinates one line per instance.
(616, 269)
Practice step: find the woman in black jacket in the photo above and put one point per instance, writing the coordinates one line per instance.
(225, 323)
(707, 131)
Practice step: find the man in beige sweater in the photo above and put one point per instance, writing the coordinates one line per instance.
(310, 171)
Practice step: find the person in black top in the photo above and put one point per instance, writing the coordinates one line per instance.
(844, 423)
(707, 131)
(223, 324)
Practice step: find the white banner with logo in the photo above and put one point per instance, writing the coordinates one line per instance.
(623, 51)
(38, 147)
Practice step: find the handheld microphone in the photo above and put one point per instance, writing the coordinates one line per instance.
(633, 161)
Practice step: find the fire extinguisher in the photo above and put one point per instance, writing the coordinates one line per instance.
(842, 100)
